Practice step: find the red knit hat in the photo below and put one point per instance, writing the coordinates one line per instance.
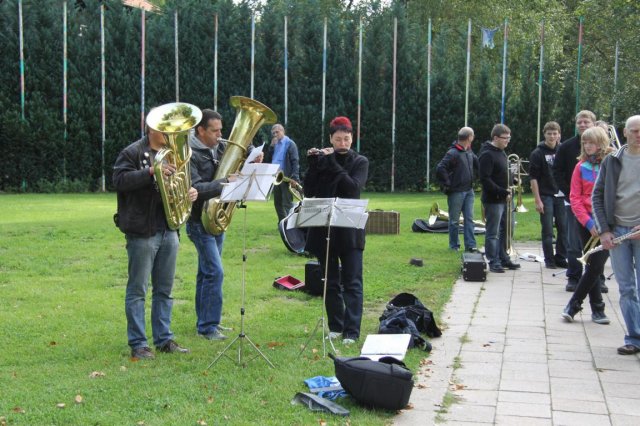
(340, 123)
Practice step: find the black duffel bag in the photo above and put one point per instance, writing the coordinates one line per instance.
(386, 383)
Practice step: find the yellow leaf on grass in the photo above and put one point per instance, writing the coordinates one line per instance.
(61, 405)
(95, 374)
(18, 410)
(201, 422)
(78, 399)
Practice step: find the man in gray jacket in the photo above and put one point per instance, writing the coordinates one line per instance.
(616, 207)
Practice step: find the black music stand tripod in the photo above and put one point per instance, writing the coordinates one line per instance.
(336, 212)
(253, 184)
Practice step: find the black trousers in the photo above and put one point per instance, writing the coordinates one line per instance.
(344, 292)
(589, 283)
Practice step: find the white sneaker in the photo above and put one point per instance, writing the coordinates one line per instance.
(214, 335)
(334, 335)
(348, 341)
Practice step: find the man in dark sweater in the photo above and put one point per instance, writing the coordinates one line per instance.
(563, 165)
(496, 197)
(549, 203)
(456, 173)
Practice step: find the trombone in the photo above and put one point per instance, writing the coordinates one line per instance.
(614, 141)
(516, 167)
(438, 214)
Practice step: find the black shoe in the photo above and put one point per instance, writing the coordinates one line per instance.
(603, 287)
(142, 353)
(510, 265)
(550, 265)
(628, 350)
(471, 250)
(496, 268)
(570, 311)
(571, 285)
(171, 347)
(561, 263)
(599, 317)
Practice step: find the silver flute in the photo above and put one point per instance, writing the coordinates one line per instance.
(615, 241)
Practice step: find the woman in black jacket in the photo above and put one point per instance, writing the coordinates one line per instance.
(339, 171)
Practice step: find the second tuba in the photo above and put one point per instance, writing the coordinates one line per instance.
(174, 121)
(250, 116)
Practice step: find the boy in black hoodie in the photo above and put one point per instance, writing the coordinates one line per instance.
(549, 202)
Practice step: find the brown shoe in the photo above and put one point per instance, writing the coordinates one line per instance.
(628, 350)
(142, 353)
(171, 346)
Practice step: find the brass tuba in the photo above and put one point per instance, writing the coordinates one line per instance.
(614, 141)
(174, 121)
(250, 116)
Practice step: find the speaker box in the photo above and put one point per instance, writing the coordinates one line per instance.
(313, 276)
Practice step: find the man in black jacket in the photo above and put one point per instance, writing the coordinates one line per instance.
(456, 173)
(549, 203)
(152, 247)
(563, 165)
(496, 197)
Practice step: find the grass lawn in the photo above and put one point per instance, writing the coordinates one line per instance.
(65, 359)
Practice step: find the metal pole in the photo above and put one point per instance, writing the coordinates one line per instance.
(359, 87)
(286, 75)
(21, 30)
(215, 63)
(429, 107)
(540, 73)
(103, 94)
(324, 79)
(504, 70)
(578, 72)
(177, 56)
(615, 87)
(466, 95)
(393, 114)
(253, 49)
(142, 68)
(64, 89)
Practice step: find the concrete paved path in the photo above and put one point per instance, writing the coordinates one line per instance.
(506, 356)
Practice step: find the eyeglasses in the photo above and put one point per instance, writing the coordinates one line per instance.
(506, 138)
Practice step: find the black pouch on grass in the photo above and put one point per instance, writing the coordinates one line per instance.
(415, 311)
(386, 383)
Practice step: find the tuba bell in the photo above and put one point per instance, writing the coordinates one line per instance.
(250, 116)
(174, 121)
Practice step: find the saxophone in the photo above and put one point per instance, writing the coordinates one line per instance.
(250, 116)
(174, 121)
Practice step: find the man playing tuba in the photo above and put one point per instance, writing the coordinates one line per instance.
(152, 246)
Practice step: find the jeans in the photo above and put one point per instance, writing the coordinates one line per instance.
(209, 277)
(574, 246)
(156, 257)
(461, 201)
(344, 299)
(625, 260)
(553, 209)
(282, 200)
(590, 281)
(495, 233)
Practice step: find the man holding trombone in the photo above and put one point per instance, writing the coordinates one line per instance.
(616, 208)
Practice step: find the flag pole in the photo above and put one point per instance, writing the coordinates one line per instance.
(540, 72)
(175, 15)
(215, 62)
(615, 87)
(504, 70)
(286, 74)
(64, 89)
(103, 109)
(142, 68)
(324, 78)
(429, 106)
(359, 87)
(253, 50)
(21, 31)
(578, 71)
(466, 94)
(393, 115)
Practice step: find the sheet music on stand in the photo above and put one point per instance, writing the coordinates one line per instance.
(334, 212)
(254, 183)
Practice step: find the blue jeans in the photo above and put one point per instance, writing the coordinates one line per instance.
(344, 292)
(574, 246)
(625, 260)
(156, 257)
(209, 277)
(461, 202)
(495, 237)
(553, 209)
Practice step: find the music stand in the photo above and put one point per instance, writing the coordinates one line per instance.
(328, 212)
(254, 183)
